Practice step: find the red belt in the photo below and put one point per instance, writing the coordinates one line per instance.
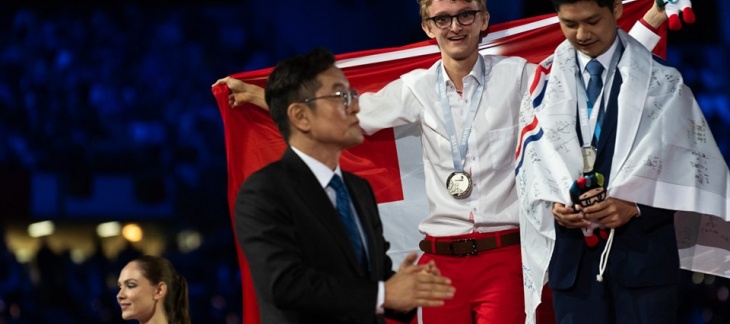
(469, 246)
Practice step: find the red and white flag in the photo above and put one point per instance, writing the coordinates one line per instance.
(391, 160)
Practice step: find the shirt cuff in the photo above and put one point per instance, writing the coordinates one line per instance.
(650, 27)
(379, 305)
(645, 34)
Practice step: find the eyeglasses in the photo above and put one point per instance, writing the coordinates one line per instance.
(465, 18)
(347, 97)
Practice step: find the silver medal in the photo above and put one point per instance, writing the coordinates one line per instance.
(459, 185)
(589, 158)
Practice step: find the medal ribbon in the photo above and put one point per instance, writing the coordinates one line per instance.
(590, 124)
(459, 148)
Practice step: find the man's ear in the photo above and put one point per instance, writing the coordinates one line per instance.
(618, 9)
(161, 291)
(299, 114)
(427, 29)
(486, 21)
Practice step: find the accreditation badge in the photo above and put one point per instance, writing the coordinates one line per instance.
(459, 185)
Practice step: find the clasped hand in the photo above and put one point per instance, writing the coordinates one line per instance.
(609, 213)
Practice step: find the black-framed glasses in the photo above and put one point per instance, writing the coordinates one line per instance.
(465, 18)
(347, 97)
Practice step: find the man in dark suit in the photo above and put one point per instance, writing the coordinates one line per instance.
(316, 248)
(603, 104)
(638, 279)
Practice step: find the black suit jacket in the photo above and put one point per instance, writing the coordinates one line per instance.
(644, 250)
(302, 263)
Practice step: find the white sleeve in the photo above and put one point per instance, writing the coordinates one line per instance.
(644, 35)
(392, 106)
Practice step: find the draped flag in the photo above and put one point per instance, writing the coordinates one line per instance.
(391, 160)
(665, 157)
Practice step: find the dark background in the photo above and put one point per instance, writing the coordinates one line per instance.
(106, 114)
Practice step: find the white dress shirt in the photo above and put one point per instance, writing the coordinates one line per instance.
(414, 98)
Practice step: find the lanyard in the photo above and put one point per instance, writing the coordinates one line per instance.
(458, 148)
(590, 125)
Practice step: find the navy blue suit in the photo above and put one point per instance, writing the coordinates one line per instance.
(640, 281)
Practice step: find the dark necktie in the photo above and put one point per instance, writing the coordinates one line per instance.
(348, 219)
(595, 85)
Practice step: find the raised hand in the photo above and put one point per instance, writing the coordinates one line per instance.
(240, 92)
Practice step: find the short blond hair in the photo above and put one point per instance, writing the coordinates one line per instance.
(427, 3)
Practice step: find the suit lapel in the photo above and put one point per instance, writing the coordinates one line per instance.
(319, 206)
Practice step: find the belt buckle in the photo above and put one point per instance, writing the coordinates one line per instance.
(473, 247)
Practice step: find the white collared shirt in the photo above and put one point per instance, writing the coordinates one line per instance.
(414, 98)
(460, 104)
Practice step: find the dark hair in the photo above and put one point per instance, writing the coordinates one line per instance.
(158, 269)
(600, 3)
(294, 80)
